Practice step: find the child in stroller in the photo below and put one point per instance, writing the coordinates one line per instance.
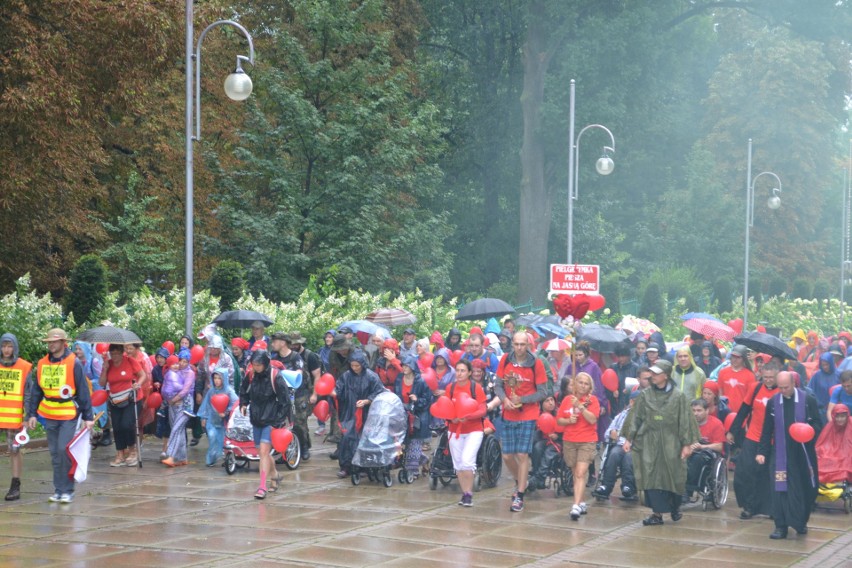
(382, 440)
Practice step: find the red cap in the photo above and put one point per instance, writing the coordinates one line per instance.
(171, 360)
(240, 342)
(712, 385)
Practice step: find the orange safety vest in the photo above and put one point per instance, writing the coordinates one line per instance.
(12, 382)
(51, 377)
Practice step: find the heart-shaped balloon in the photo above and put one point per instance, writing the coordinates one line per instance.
(443, 408)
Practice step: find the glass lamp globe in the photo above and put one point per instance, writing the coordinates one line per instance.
(774, 202)
(605, 165)
(238, 85)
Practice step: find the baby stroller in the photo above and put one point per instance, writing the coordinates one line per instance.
(489, 462)
(382, 440)
(240, 450)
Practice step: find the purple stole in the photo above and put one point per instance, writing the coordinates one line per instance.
(781, 435)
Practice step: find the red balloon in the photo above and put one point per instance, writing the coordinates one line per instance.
(761, 329)
(465, 406)
(461, 393)
(324, 385)
(153, 359)
(281, 438)
(736, 325)
(169, 346)
(546, 423)
(443, 408)
(154, 400)
(729, 421)
(564, 305)
(425, 361)
(99, 397)
(322, 411)
(610, 380)
(596, 302)
(102, 348)
(196, 354)
(430, 377)
(220, 402)
(455, 357)
(801, 432)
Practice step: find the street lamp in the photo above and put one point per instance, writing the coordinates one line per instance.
(845, 257)
(238, 87)
(774, 202)
(604, 166)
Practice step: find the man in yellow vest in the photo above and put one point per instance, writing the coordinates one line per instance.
(60, 394)
(15, 377)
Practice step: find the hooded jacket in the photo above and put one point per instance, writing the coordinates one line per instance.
(352, 387)
(450, 344)
(821, 382)
(450, 375)
(26, 371)
(206, 410)
(420, 408)
(270, 406)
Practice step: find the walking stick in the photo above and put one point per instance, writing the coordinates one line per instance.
(136, 427)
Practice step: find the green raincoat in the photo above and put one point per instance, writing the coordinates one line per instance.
(659, 425)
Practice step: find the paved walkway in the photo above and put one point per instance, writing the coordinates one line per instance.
(197, 516)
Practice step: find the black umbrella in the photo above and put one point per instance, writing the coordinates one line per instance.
(484, 308)
(109, 334)
(601, 338)
(241, 319)
(765, 343)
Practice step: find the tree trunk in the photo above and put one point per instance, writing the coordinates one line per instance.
(535, 202)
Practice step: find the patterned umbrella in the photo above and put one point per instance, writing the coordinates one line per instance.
(391, 317)
(632, 325)
(710, 328)
(556, 345)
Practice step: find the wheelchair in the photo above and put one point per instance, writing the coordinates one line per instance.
(560, 477)
(841, 491)
(489, 463)
(713, 482)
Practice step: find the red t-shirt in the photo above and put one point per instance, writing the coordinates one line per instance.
(528, 380)
(712, 431)
(758, 410)
(474, 423)
(120, 377)
(582, 430)
(735, 385)
(406, 391)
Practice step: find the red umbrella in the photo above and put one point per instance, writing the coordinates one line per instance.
(710, 328)
(556, 345)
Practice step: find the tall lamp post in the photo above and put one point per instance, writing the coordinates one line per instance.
(845, 256)
(238, 87)
(604, 166)
(774, 202)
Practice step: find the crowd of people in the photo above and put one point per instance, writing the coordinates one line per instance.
(660, 416)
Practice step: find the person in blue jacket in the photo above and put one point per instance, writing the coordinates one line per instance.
(416, 396)
(214, 421)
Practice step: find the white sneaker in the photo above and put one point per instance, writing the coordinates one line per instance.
(583, 508)
(54, 498)
(320, 431)
(66, 498)
(576, 512)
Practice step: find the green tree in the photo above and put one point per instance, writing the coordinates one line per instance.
(653, 305)
(227, 282)
(802, 289)
(777, 286)
(723, 294)
(337, 160)
(140, 252)
(87, 287)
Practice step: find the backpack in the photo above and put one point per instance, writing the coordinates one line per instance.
(549, 384)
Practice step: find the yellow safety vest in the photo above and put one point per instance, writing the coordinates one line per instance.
(51, 378)
(12, 382)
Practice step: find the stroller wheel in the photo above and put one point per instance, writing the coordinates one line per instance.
(230, 463)
(387, 479)
(356, 478)
(402, 477)
(433, 482)
(477, 481)
(446, 481)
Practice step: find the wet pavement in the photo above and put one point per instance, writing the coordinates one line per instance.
(198, 516)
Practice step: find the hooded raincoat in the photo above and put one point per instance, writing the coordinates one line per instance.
(352, 387)
(215, 425)
(822, 381)
(659, 425)
(26, 378)
(420, 408)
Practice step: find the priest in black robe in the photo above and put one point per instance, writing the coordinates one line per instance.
(793, 472)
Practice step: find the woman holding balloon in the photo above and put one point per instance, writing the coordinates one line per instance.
(213, 412)
(579, 414)
(464, 425)
(269, 396)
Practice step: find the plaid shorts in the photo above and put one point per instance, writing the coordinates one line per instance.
(517, 436)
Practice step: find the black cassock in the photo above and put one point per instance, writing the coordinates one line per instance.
(792, 508)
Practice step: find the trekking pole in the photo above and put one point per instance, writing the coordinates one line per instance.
(136, 427)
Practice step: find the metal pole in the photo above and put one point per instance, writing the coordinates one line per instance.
(571, 166)
(843, 244)
(749, 219)
(190, 34)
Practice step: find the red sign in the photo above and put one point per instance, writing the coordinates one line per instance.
(575, 278)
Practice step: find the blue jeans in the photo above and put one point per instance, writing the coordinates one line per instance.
(216, 439)
(616, 459)
(59, 434)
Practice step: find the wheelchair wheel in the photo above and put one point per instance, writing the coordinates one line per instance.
(720, 483)
(293, 455)
(491, 465)
(445, 481)
(564, 481)
(477, 481)
(230, 463)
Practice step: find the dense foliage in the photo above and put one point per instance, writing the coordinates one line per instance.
(395, 145)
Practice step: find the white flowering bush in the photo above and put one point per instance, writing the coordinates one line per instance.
(29, 316)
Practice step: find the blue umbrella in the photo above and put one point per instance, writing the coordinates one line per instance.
(701, 315)
(367, 327)
(543, 328)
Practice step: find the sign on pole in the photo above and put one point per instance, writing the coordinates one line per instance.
(575, 278)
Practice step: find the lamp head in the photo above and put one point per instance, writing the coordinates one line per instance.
(604, 165)
(238, 85)
(774, 202)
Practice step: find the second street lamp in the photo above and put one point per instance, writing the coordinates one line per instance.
(774, 202)
(604, 166)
